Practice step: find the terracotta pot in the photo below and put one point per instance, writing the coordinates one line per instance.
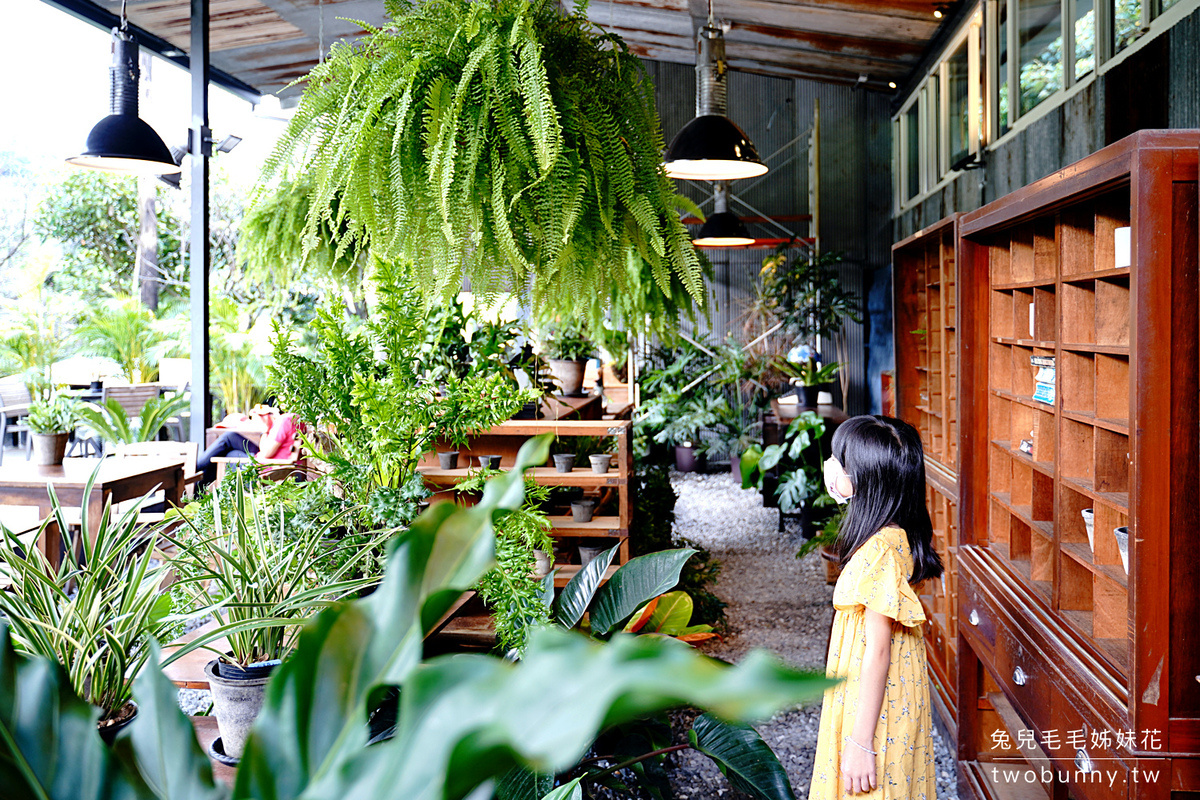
(49, 448)
(583, 510)
(568, 374)
(833, 569)
(687, 459)
(542, 563)
(564, 462)
(600, 463)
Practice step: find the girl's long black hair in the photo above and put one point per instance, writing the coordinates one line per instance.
(886, 464)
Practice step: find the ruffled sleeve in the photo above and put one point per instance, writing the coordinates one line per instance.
(876, 577)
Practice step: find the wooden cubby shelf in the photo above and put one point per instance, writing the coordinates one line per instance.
(926, 332)
(1097, 268)
(546, 476)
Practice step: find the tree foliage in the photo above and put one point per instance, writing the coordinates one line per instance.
(504, 140)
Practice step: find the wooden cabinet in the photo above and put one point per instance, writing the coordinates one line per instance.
(926, 336)
(610, 490)
(1079, 384)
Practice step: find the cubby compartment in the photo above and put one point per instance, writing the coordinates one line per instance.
(1112, 312)
(1024, 322)
(1077, 380)
(1076, 247)
(1021, 254)
(1022, 371)
(1045, 437)
(1112, 461)
(1075, 452)
(1000, 263)
(1045, 251)
(1045, 314)
(1078, 306)
(1106, 520)
(1002, 315)
(1112, 389)
(1111, 212)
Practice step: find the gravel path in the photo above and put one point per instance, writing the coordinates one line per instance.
(775, 601)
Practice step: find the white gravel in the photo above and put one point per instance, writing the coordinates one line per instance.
(776, 602)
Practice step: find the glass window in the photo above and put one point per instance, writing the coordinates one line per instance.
(934, 115)
(957, 91)
(1127, 23)
(912, 151)
(1165, 4)
(1085, 37)
(1040, 44)
(1002, 69)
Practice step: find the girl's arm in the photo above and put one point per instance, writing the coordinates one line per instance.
(858, 766)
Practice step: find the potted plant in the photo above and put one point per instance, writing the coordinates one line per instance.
(50, 424)
(262, 578)
(689, 417)
(96, 613)
(793, 467)
(739, 433)
(813, 378)
(567, 350)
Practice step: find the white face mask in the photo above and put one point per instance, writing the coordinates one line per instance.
(834, 472)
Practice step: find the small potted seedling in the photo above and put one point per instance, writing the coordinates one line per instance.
(50, 424)
(567, 350)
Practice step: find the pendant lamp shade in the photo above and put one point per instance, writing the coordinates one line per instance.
(723, 229)
(122, 142)
(712, 148)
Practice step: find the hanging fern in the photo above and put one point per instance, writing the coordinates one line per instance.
(503, 140)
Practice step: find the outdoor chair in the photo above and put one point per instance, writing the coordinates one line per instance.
(274, 469)
(14, 404)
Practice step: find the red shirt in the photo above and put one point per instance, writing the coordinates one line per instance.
(283, 432)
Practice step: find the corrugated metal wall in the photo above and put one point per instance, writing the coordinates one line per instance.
(855, 196)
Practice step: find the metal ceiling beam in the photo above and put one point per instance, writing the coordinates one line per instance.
(102, 18)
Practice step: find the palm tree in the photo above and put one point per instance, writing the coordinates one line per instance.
(130, 334)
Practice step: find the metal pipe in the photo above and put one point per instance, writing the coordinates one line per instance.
(200, 147)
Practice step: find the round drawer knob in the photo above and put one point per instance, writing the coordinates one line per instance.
(973, 618)
(1019, 676)
(1083, 762)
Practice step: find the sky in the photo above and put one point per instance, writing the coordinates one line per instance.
(56, 88)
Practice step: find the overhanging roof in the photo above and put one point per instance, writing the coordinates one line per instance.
(263, 45)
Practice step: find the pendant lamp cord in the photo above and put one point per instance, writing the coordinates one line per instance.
(124, 26)
(711, 22)
(320, 33)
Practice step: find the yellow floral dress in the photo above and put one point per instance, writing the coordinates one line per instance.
(876, 577)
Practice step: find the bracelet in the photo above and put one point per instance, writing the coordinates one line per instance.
(859, 746)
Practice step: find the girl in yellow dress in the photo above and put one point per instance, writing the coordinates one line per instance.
(876, 736)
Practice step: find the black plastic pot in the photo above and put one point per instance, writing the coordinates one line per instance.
(810, 394)
(688, 460)
(109, 732)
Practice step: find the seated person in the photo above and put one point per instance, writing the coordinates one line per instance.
(267, 435)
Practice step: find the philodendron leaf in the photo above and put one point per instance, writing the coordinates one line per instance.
(314, 715)
(568, 791)
(749, 466)
(641, 579)
(49, 747)
(672, 614)
(741, 754)
(161, 741)
(466, 718)
(523, 784)
(578, 593)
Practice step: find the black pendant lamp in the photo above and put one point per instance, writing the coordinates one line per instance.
(711, 147)
(722, 228)
(122, 142)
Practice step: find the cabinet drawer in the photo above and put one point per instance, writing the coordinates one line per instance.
(1023, 674)
(1093, 771)
(976, 617)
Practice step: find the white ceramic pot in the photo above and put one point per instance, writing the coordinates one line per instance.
(1089, 522)
(1122, 534)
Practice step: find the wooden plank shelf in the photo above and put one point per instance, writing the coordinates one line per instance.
(1023, 399)
(563, 574)
(1034, 284)
(1025, 514)
(600, 527)
(1083, 277)
(1117, 500)
(1115, 425)
(1044, 467)
(1036, 344)
(1106, 349)
(1082, 554)
(546, 476)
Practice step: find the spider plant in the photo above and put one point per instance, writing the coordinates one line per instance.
(112, 423)
(261, 576)
(94, 614)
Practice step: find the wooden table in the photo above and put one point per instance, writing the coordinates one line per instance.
(206, 733)
(118, 479)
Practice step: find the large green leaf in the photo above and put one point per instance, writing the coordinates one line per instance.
(49, 747)
(315, 712)
(466, 718)
(578, 593)
(161, 741)
(672, 614)
(745, 759)
(641, 579)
